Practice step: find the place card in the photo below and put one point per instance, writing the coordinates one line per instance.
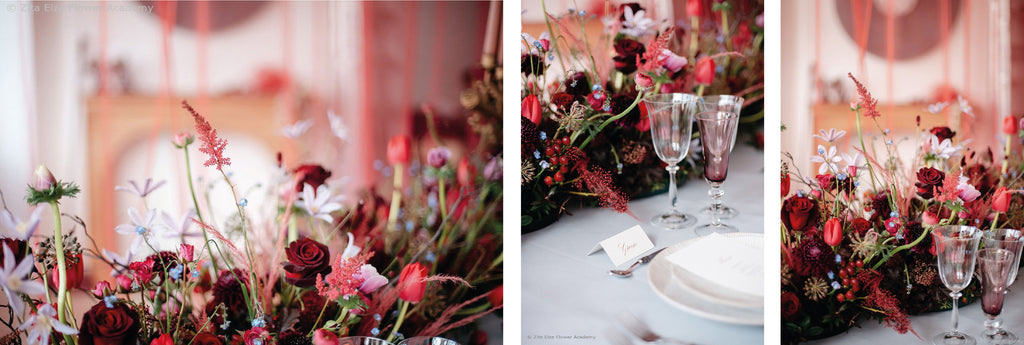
(625, 246)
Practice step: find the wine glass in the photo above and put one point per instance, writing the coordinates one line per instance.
(956, 247)
(994, 265)
(717, 131)
(671, 117)
(733, 104)
(1013, 241)
(428, 341)
(360, 340)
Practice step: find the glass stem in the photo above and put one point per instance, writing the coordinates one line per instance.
(956, 311)
(992, 324)
(716, 203)
(672, 169)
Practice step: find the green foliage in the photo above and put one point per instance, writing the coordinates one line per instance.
(53, 194)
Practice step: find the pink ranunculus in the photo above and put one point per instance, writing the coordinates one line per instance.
(182, 139)
(325, 337)
(371, 279)
(101, 289)
(671, 61)
(124, 282)
(643, 80)
(929, 219)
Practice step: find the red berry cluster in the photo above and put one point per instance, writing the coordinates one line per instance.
(558, 160)
(848, 277)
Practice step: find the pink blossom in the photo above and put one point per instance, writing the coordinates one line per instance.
(371, 279)
(101, 289)
(643, 80)
(929, 218)
(186, 251)
(124, 281)
(182, 139)
(966, 191)
(325, 337)
(671, 61)
(44, 179)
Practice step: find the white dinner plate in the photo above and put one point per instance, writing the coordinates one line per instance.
(664, 283)
(709, 290)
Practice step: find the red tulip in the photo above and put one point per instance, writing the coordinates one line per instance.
(466, 172)
(164, 339)
(1002, 200)
(398, 149)
(531, 109)
(1009, 125)
(411, 282)
(705, 71)
(75, 270)
(833, 232)
(497, 295)
(693, 8)
(785, 185)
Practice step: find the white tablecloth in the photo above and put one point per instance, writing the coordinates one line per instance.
(567, 293)
(928, 325)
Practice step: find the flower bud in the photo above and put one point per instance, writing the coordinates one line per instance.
(643, 81)
(438, 157)
(44, 179)
(671, 61)
(1009, 125)
(182, 139)
(705, 71)
(398, 149)
(101, 289)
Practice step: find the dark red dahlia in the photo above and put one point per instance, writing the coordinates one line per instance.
(532, 64)
(16, 246)
(163, 261)
(880, 204)
(815, 256)
(312, 174)
(577, 85)
(943, 133)
(622, 102)
(293, 337)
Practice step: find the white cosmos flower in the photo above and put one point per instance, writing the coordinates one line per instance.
(13, 279)
(319, 204)
(42, 323)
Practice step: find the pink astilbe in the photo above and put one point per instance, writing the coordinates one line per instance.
(652, 55)
(949, 191)
(866, 101)
(342, 281)
(213, 145)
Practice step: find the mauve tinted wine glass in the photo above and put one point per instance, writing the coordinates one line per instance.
(994, 266)
(717, 131)
(956, 247)
(671, 117)
(1013, 241)
(733, 104)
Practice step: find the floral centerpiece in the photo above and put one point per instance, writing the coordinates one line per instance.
(586, 138)
(426, 263)
(856, 236)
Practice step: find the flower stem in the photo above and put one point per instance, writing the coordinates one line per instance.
(860, 135)
(401, 317)
(62, 270)
(396, 198)
(195, 203)
(441, 197)
(612, 119)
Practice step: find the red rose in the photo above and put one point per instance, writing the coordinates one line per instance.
(628, 50)
(496, 296)
(833, 232)
(311, 174)
(207, 339)
(563, 100)
(785, 185)
(799, 213)
(411, 283)
(1009, 125)
(255, 333)
(704, 73)
(398, 149)
(163, 339)
(1002, 201)
(928, 179)
(531, 109)
(790, 305)
(74, 269)
(306, 259)
(943, 133)
(109, 326)
(861, 226)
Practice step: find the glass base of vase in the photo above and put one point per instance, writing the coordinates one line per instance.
(708, 229)
(999, 337)
(953, 338)
(674, 221)
(724, 212)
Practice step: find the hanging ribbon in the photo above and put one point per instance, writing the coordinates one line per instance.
(367, 132)
(202, 44)
(890, 51)
(817, 51)
(861, 10)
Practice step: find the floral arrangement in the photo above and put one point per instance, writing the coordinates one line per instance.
(427, 263)
(856, 237)
(586, 138)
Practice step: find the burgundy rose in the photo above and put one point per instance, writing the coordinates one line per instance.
(109, 326)
(306, 259)
(619, 104)
(577, 85)
(928, 179)
(861, 226)
(943, 133)
(311, 174)
(799, 213)
(628, 50)
(207, 339)
(563, 100)
(790, 305)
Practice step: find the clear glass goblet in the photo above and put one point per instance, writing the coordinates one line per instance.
(671, 117)
(361, 340)
(428, 341)
(994, 268)
(732, 104)
(956, 247)
(717, 131)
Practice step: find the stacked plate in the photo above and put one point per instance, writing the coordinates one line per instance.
(718, 277)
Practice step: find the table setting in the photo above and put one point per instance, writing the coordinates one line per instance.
(696, 279)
